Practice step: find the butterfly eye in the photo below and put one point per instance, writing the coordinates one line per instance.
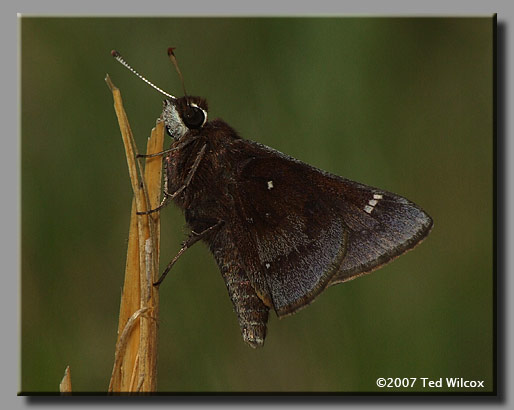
(194, 117)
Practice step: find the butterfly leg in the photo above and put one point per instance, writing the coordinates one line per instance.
(167, 151)
(157, 154)
(190, 241)
(169, 197)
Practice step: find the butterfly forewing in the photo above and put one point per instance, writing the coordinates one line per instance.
(381, 227)
(303, 229)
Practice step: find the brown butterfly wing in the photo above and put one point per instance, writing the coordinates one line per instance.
(381, 226)
(302, 229)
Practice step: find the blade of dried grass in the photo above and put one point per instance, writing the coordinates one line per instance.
(65, 385)
(135, 367)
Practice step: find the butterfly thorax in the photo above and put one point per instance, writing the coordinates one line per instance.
(207, 196)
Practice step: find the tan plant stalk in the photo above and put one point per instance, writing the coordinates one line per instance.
(135, 363)
(65, 385)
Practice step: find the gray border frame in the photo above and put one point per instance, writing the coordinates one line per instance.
(10, 249)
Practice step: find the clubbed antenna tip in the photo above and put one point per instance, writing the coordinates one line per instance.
(171, 55)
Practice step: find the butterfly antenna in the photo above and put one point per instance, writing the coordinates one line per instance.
(120, 60)
(173, 59)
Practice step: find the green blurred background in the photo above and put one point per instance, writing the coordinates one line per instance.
(402, 104)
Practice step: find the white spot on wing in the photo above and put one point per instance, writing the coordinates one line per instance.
(372, 203)
(368, 209)
(267, 266)
(270, 184)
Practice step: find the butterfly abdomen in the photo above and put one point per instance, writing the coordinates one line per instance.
(252, 313)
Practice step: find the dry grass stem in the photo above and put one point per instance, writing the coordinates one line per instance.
(65, 385)
(135, 361)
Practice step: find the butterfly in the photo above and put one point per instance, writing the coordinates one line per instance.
(280, 230)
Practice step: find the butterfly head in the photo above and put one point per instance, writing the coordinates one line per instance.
(184, 114)
(180, 115)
